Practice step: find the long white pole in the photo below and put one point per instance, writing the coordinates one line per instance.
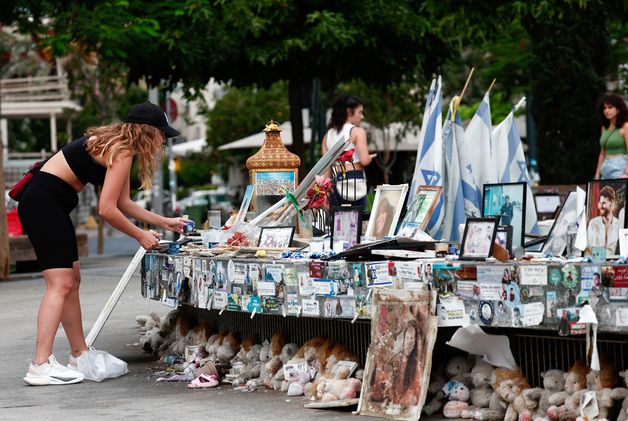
(115, 297)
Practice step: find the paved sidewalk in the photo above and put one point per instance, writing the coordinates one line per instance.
(134, 396)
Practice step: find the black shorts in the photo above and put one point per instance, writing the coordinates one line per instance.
(44, 212)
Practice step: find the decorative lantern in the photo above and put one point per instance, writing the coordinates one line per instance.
(272, 169)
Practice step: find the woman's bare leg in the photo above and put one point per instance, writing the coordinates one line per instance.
(59, 286)
(71, 318)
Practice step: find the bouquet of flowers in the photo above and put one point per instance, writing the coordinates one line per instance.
(316, 197)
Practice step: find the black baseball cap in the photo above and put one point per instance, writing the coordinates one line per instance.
(149, 113)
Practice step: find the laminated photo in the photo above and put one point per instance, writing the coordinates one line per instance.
(452, 313)
(266, 289)
(273, 272)
(344, 307)
(221, 276)
(324, 287)
(358, 275)
(292, 304)
(377, 274)
(533, 274)
(290, 278)
(306, 284)
(220, 300)
(310, 307)
(270, 304)
(253, 303)
(237, 272)
(234, 302)
(491, 274)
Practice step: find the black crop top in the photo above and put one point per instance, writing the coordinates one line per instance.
(82, 164)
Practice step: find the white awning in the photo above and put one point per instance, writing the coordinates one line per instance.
(186, 148)
(256, 140)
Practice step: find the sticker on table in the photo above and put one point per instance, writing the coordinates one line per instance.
(254, 303)
(344, 287)
(570, 276)
(511, 295)
(621, 316)
(273, 272)
(324, 287)
(528, 315)
(486, 311)
(306, 284)
(551, 302)
(501, 311)
(533, 275)
(377, 274)
(221, 276)
(234, 302)
(589, 276)
(490, 291)
(616, 295)
(620, 277)
(452, 313)
(409, 271)
(568, 321)
(310, 307)
(237, 272)
(317, 269)
(344, 307)
(491, 274)
(197, 267)
(220, 300)
(270, 304)
(555, 276)
(292, 303)
(290, 278)
(363, 304)
(525, 295)
(358, 274)
(468, 289)
(335, 270)
(266, 288)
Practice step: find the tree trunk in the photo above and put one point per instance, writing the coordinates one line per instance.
(296, 120)
(4, 229)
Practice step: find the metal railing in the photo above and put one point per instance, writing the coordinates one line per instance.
(34, 89)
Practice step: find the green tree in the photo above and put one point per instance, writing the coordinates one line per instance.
(248, 42)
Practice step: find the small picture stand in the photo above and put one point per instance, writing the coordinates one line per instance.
(346, 226)
(478, 238)
(276, 237)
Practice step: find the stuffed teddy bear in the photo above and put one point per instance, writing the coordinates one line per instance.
(458, 394)
(565, 404)
(553, 382)
(297, 387)
(287, 352)
(337, 389)
(148, 322)
(480, 377)
(507, 385)
(621, 394)
(230, 346)
(457, 368)
(603, 382)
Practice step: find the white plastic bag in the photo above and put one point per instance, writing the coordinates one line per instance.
(99, 365)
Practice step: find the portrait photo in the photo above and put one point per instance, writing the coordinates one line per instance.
(387, 207)
(421, 208)
(606, 214)
(508, 202)
(478, 238)
(557, 238)
(276, 237)
(346, 226)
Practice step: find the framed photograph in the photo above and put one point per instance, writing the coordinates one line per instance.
(503, 237)
(269, 187)
(421, 209)
(478, 238)
(346, 226)
(606, 207)
(508, 202)
(276, 237)
(556, 242)
(387, 207)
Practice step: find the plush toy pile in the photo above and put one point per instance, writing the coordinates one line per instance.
(321, 369)
(470, 388)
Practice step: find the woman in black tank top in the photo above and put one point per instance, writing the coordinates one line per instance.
(44, 210)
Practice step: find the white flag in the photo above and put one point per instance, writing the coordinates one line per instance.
(477, 163)
(454, 212)
(511, 162)
(429, 162)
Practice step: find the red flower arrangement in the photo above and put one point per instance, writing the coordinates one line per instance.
(346, 156)
(317, 195)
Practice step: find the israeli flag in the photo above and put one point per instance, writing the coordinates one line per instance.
(454, 206)
(477, 163)
(511, 162)
(428, 169)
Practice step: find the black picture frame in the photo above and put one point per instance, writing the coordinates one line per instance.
(502, 190)
(285, 228)
(505, 230)
(594, 188)
(356, 210)
(470, 241)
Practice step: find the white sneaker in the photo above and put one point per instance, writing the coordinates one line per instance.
(51, 373)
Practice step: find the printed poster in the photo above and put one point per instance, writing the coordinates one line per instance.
(533, 274)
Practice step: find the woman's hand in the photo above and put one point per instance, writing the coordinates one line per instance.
(149, 239)
(175, 224)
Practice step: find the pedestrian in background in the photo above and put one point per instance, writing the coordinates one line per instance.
(613, 159)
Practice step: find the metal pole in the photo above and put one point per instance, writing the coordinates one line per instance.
(157, 191)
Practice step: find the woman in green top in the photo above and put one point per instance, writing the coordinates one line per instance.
(613, 160)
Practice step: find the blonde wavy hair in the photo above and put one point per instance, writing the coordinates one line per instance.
(143, 139)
